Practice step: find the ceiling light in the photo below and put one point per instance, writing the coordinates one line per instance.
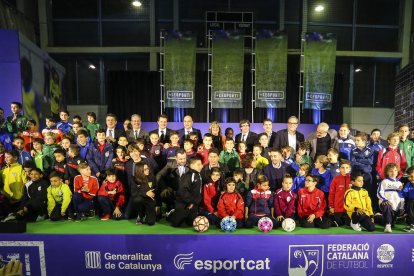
(136, 3)
(358, 70)
(319, 8)
(91, 66)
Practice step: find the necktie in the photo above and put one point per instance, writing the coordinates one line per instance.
(244, 138)
(110, 133)
(136, 134)
(186, 135)
(162, 137)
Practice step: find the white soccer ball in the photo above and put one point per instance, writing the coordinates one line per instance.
(288, 225)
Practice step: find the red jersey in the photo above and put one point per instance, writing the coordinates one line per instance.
(230, 204)
(284, 203)
(28, 137)
(311, 203)
(91, 183)
(389, 155)
(211, 195)
(118, 198)
(339, 185)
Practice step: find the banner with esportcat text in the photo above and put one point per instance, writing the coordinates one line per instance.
(179, 69)
(319, 74)
(204, 254)
(271, 67)
(227, 69)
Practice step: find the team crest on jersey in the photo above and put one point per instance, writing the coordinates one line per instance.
(367, 152)
(7, 140)
(150, 184)
(288, 199)
(14, 174)
(157, 152)
(39, 188)
(107, 154)
(79, 161)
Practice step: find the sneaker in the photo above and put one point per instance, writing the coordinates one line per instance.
(90, 214)
(11, 216)
(387, 228)
(409, 228)
(106, 217)
(40, 218)
(167, 214)
(138, 220)
(356, 226)
(79, 217)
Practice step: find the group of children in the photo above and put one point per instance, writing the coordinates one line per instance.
(89, 172)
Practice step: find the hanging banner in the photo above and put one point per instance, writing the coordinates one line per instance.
(319, 75)
(271, 67)
(228, 66)
(179, 69)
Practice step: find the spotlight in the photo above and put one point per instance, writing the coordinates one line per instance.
(358, 70)
(319, 8)
(136, 3)
(91, 66)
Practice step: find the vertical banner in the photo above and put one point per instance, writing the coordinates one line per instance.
(320, 57)
(227, 66)
(179, 69)
(271, 67)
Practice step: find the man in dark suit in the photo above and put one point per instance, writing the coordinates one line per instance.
(136, 131)
(168, 179)
(250, 138)
(289, 137)
(162, 130)
(112, 133)
(184, 133)
(268, 129)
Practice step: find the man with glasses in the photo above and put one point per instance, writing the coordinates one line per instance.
(289, 136)
(136, 131)
(247, 136)
(322, 140)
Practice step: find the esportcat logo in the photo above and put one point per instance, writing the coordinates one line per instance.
(182, 260)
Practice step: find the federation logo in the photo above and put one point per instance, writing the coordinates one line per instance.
(93, 259)
(385, 253)
(306, 260)
(181, 260)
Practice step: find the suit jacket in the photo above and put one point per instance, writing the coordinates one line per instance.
(118, 132)
(272, 140)
(142, 134)
(169, 176)
(282, 139)
(167, 135)
(181, 134)
(251, 140)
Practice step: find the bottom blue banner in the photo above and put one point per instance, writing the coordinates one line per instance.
(210, 254)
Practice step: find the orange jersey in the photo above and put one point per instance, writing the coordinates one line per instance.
(28, 137)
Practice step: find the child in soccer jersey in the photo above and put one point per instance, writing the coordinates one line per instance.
(170, 148)
(37, 153)
(60, 162)
(339, 185)
(241, 186)
(242, 149)
(284, 200)
(389, 193)
(188, 148)
(325, 177)
(33, 206)
(111, 197)
(358, 205)
(18, 144)
(261, 161)
(229, 156)
(312, 205)
(299, 180)
(48, 149)
(155, 148)
(29, 134)
(72, 162)
(119, 164)
(92, 126)
(231, 203)
(59, 197)
(86, 188)
(391, 154)
(204, 149)
(259, 203)
(333, 165)
(211, 194)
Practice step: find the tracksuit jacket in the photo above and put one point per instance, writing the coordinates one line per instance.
(345, 147)
(298, 182)
(23, 157)
(64, 126)
(230, 204)
(83, 150)
(325, 180)
(311, 203)
(408, 191)
(189, 190)
(333, 168)
(119, 198)
(358, 198)
(92, 185)
(259, 202)
(99, 161)
(211, 194)
(58, 195)
(35, 195)
(284, 203)
(231, 159)
(13, 179)
(389, 155)
(408, 147)
(362, 159)
(388, 190)
(71, 169)
(339, 185)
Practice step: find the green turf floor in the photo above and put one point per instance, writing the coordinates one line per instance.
(96, 226)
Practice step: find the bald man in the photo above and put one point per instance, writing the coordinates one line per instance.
(322, 140)
(184, 133)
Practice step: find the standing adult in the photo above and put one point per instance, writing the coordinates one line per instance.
(289, 136)
(162, 130)
(112, 133)
(322, 140)
(268, 129)
(184, 133)
(136, 131)
(247, 136)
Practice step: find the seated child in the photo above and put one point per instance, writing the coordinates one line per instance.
(259, 203)
(285, 200)
(340, 184)
(211, 194)
(33, 206)
(111, 197)
(312, 205)
(86, 187)
(231, 203)
(299, 180)
(358, 205)
(59, 198)
(389, 197)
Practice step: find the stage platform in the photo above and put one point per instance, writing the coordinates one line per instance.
(95, 247)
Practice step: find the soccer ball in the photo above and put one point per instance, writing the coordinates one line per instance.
(265, 224)
(288, 225)
(228, 224)
(201, 224)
